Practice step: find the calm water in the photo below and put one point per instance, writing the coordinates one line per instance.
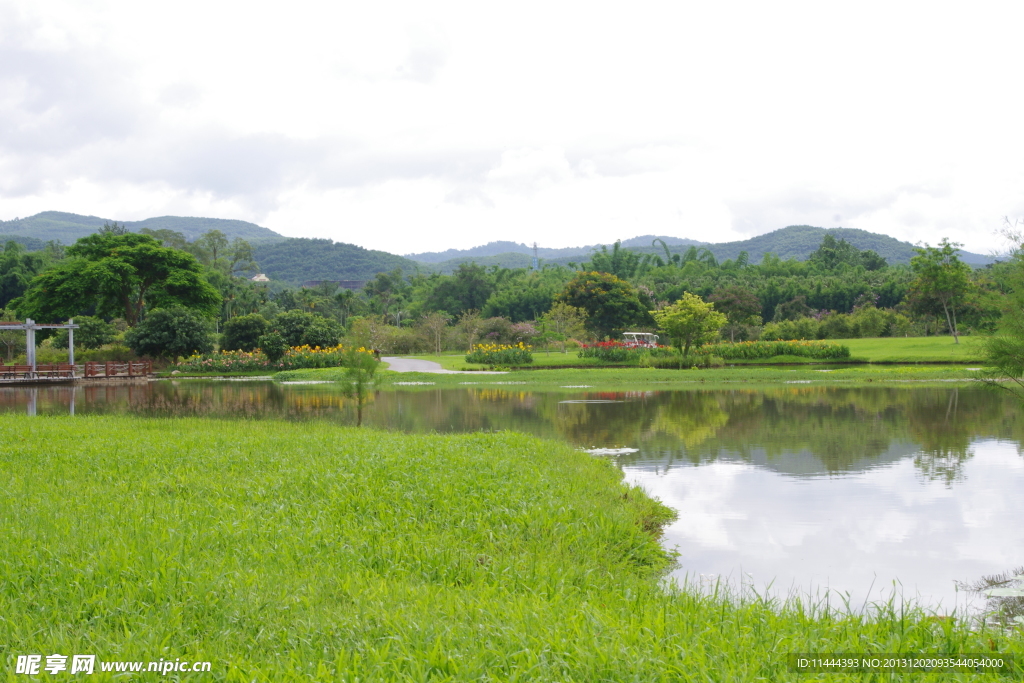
(862, 491)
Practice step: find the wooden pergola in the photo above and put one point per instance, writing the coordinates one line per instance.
(30, 326)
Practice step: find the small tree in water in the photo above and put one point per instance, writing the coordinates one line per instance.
(360, 368)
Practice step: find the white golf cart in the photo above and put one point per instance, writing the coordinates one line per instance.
(640, 340)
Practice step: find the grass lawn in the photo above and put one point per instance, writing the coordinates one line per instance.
(556, 359)
(917, 349)
(878, 350)
(303, 551)
(649, 378)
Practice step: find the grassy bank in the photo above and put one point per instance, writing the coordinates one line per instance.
(888, 350)
(917, 349)
(649, 378)
(283, 551)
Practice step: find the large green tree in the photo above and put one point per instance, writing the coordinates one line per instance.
(942, 282)
(739, 304)
(118, 275)
(690, 322)
(171, 332)
(611, 304)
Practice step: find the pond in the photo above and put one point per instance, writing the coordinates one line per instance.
(858, 493)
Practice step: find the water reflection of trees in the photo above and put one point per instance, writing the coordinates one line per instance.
(841, 429)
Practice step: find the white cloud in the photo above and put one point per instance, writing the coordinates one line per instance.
(452, 124)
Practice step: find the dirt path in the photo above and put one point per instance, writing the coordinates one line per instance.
(416, 365)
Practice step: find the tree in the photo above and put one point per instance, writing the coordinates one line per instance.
(1005, 348)
(470, 325)
(563, 322)
(468, 288)
(167, 237)
(243, 332)
(92, 333)
(273, 346)
(740, 305)
(118, 275)
(690, 322)
(943, 282)
(611, 304)
(171, 332)
(17, 268)
(360, 368)
(299, 328)
(214, 243)
(12, 341)
(434, 326)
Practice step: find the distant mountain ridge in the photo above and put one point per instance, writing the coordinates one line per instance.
(795, 241)
(68, 227)
(300, 259)
(501, 247)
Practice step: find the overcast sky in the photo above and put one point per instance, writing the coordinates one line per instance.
(425, 126)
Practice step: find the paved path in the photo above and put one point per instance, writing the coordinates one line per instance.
(416, 365)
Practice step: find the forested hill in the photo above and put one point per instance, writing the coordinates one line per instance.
(299, 259)
(68, 227)
(798, 241)
(795, 241)
(503, 252)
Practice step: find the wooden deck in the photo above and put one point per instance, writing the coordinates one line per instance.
(65, 372)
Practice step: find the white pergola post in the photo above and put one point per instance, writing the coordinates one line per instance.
(30, 343)
(71, 343)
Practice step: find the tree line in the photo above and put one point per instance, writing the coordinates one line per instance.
(120, 278)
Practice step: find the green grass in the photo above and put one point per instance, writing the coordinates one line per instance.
(917, 349)
(887, 350)
(650, 378)
(555, 359)
(303, 551)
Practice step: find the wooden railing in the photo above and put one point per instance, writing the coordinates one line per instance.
(24, 372)
(65, 371)
(118, 369)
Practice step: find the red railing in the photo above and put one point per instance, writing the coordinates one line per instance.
(118, 369)
(64, 371)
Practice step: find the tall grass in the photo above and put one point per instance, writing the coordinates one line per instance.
(303, 551)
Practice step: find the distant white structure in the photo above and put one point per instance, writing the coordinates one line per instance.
(260, 278)
(640, 339)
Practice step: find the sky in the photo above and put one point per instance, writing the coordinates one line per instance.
(414, 127)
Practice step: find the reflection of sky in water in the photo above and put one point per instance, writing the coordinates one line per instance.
(846, 532)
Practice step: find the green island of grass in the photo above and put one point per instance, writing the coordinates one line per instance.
(303, 551)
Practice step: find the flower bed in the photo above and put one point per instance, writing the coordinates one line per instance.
(753, 350)
(500, 354)
(620, 352)
(296, 358)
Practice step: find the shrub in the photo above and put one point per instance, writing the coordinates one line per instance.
(243, 333)
(754, 350)
(300, 328)
(169, 332)
(295, 358)
(500, 354)
(619, 352)
(92, 333)
(273, 346)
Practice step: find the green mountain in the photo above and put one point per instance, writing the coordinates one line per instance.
(299, 259)
(68, 227)
(796, 241)
(502, 251)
